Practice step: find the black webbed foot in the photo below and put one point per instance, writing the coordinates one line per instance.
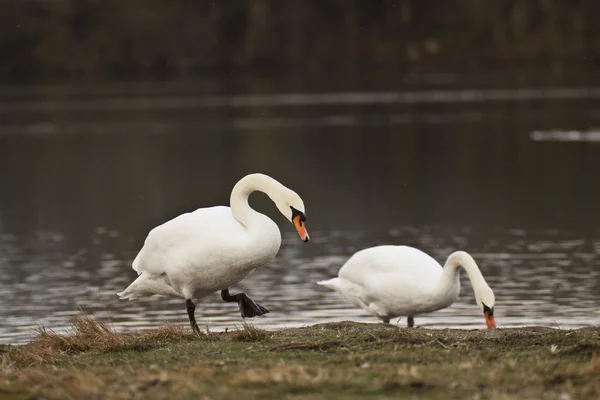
(248, 307)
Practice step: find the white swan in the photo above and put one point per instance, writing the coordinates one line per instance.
(211, 249)
(393, 281)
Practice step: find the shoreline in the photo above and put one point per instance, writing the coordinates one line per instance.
(220, 329)
(331, 360)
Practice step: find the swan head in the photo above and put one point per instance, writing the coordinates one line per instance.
(486, 301)
(292, 206)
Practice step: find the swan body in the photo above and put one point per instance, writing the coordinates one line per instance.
(214, 248)
(183, 258)
(394, 281)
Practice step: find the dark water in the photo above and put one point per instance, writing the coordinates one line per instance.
(508, 173)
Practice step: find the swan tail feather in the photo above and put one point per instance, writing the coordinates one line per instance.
(333, 284)
(147, 285)
(125, 295)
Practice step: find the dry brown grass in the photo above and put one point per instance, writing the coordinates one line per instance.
(72, 385)
(284, 374)
(250, 333)
(87, 333)
(166, 332)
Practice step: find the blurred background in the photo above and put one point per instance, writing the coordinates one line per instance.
(436, 124)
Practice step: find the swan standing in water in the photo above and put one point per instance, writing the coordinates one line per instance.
(211, 249)
(393, 281)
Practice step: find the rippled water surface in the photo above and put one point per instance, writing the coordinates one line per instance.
(504, 174)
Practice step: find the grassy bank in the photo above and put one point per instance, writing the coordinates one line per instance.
(339, 360)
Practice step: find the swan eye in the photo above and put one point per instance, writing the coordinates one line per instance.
(488, 310)
(488, 313)
(296, 213)
(298, 219)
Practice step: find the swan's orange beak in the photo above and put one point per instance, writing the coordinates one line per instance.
(489, 319)
(301, 228)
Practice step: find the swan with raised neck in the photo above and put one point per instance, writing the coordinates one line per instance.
(287, 201)
(214, 248)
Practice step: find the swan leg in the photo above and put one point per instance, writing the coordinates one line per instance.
(191, 308)
(386, 320)
(410, 321)
(248, 308)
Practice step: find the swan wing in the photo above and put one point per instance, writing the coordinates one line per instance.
(207, 235)
(403, 262)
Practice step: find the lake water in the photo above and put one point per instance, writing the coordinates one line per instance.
(506, 170)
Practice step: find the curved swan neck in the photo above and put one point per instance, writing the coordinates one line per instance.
(462, 259)
(238, 201)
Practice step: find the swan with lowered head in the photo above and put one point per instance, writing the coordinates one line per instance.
(394, 281)
(213, 248)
